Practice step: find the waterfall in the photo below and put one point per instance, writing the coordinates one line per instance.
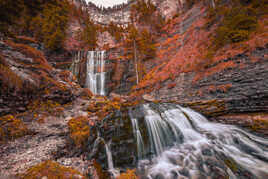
(187, 145)
(159, 132)
(111, 168)
(75, 65)
(95, 70)
(95, 80)
(137, 134)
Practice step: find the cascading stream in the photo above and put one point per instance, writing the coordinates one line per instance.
(137, 134)
(186, 145)
(95, 80)
(95, 70)
(112, 170)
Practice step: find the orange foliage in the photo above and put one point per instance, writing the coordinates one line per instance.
(171, 85)
(225, 87)
(51, 170)
(46, 106)
(28, 51)
(79, 130)
(25, 39)
(11, 128)
(101, 174)
(9, 79)
(130, 174)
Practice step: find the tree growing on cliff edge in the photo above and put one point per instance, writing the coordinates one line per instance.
(145, 13)
(142, 11)
(88, 35)
(139, 47)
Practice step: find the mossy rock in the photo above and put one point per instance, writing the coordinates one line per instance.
(210, 108)
(51, 170)
(11, 128)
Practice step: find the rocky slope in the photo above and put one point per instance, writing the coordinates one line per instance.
(235, 74)
(26, 76)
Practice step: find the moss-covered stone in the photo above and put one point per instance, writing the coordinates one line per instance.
(231, 164)
(11, 128)
(209, 108)
(51, 170)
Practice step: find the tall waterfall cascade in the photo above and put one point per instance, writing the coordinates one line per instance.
(185, 144)
(95, 70)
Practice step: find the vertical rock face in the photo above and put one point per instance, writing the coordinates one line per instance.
(233, 90)
(122, 72)
(168, 8)
(121, 16)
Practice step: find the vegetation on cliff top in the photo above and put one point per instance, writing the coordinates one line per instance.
(88, 35)
(45, 20)
(50, 25)
(238, 21)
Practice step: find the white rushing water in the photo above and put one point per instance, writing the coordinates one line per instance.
(75, 65)
(95, 80)
(186, 145)
(115, 173)
(137, 133)
(95, 70)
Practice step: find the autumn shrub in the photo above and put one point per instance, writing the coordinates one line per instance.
(51, 170)
(11, 128)
(129, 174)
(27, 50)
(100, 172)
(49, 106)
(24, 39)
(79, 130)
(171, 85)
(140, 41)
(9, 80)
(146, 45)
